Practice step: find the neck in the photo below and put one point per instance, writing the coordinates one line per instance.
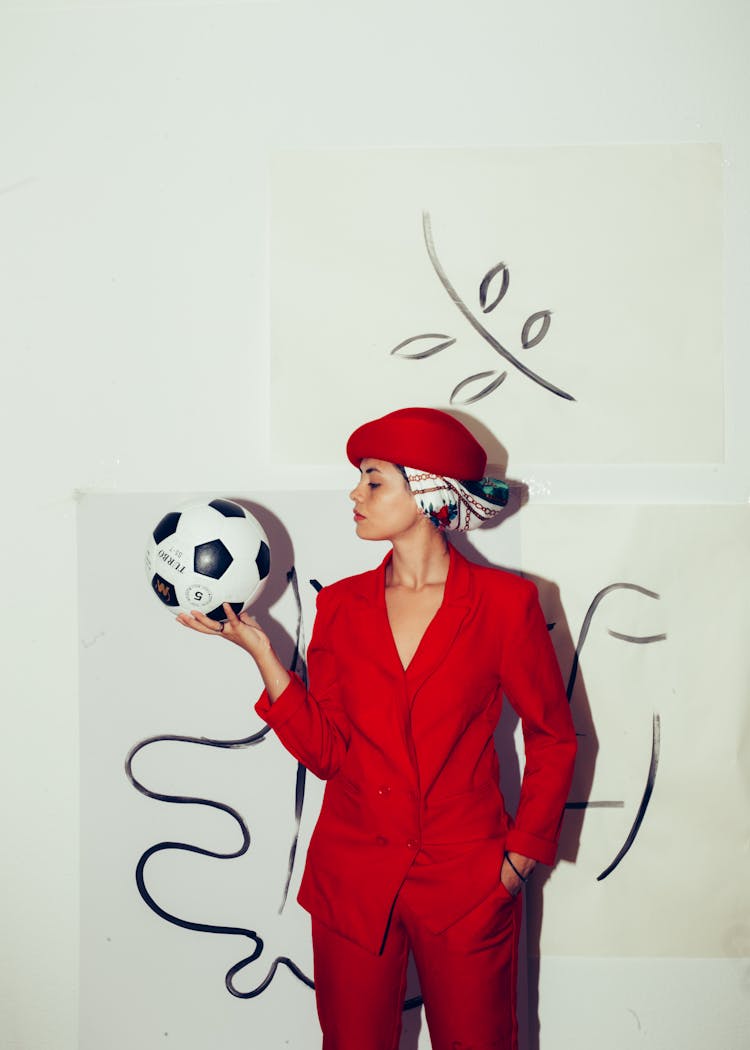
(419, 559)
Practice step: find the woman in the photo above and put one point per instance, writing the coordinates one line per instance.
(408, 664)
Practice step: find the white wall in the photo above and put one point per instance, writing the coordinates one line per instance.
(134, 242)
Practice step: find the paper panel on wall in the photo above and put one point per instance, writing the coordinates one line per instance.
(171, 924)
(572, 296)
(655, 600)
(662, 591)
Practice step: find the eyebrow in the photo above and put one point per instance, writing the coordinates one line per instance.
(371, 470)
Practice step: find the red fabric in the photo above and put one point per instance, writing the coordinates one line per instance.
(409, 755)
(423, 438)
(467, 977)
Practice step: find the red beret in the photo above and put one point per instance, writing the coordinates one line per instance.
(422, 438)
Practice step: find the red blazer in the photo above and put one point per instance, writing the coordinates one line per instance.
(409, 757)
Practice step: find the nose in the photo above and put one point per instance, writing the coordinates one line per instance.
(356, 494)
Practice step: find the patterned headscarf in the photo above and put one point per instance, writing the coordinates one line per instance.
(456, 505)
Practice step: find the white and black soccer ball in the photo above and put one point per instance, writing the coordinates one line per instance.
(204, 554)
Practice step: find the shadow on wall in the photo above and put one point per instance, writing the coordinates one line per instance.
(569, 654)
(511, 771)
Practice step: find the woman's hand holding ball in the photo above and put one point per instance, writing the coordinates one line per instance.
(244, 631)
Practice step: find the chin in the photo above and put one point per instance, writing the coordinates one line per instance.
(365, 531)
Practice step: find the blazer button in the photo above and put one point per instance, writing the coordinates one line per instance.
(384, 790)
(381, 841)
(412, 844)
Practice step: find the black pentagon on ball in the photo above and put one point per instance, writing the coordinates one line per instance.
(263, 560)
(167, 526)
(211, 559)
(227, 508)
(218, 613)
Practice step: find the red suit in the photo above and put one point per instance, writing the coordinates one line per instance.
(412, 806)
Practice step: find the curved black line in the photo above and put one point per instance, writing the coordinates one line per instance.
(299, 786)
(160, 847)
(477, 325)
(187, 924)
(604, 804)
(656, 723)
(587, 624)
(280, 960)
(647, 792)
(299, 636)
(639, 639)
(248, 741)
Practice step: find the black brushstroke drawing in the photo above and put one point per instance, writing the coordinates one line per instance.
(605, 804)
(299, 786)
(297, 664)
(534, 329)
(187, 924)
(656, 721)
(204, 927)
(498, 379)
(647, 791)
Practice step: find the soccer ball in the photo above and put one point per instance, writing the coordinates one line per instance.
(204, 554)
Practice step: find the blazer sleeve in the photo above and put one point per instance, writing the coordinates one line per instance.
(533, 684)
(310, 720)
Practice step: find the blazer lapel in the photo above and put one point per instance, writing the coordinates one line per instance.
(371, 610)
(442, 630)
(440, 633)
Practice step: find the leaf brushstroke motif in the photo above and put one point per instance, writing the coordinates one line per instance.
(528, 340)
(447, 341)
(502, 271)
(481, 393)
(487, 280)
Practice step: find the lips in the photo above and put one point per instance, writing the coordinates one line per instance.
(358, 517)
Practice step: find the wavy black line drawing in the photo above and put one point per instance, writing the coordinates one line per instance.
(159, 847)
(656, 721)
(534, 330)
(297, 664)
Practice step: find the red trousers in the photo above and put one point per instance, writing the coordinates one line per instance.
(468, 977)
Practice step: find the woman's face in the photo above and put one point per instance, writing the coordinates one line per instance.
(384, 507)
